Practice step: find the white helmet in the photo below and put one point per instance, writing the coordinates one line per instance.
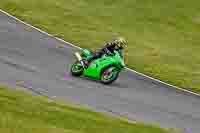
(121, 42)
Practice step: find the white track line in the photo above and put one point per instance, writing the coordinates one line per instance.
(81, 48)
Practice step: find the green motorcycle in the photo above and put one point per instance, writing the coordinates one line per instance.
(105, 69)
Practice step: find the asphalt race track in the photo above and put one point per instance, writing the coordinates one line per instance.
(33, 57)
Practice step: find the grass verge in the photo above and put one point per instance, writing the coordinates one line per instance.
(163, 35)
(24, 113)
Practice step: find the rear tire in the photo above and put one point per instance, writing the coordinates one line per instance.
(77, 69)
(109, 75)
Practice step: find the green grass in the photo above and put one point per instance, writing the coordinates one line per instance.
(22, 113)
(163, 36)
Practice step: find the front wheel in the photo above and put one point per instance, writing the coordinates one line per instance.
(109, 75)
(77, 69)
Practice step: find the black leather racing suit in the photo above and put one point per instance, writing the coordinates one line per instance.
(108, 48)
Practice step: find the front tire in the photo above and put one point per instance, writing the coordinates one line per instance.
(109, 75)
(77, 69)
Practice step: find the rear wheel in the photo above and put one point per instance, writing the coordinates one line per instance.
(109, 75)
(77, 69)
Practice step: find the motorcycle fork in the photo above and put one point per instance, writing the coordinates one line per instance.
(78, 56)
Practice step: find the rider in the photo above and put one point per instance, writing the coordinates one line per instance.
(116, 44)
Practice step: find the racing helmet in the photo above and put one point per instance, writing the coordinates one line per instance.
(120, 42)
